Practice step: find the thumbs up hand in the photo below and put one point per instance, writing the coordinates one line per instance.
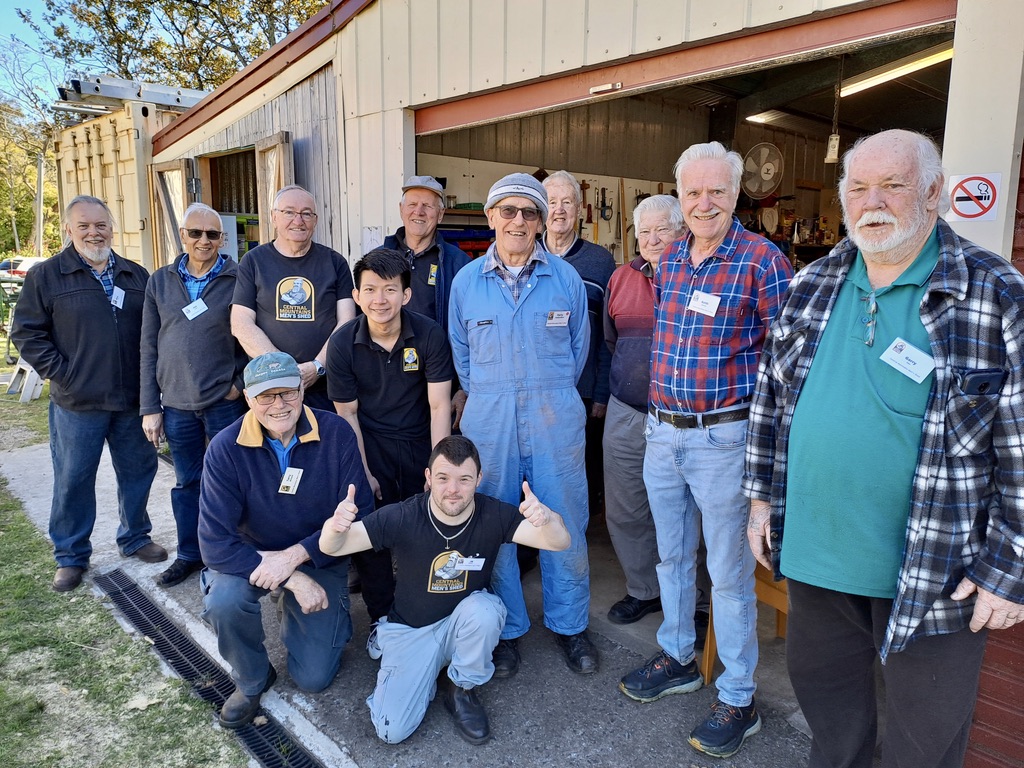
(532, 509)
(345, 513)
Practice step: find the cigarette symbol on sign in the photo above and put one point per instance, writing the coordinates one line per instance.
(983, 194)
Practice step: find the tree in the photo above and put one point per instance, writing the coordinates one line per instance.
(188, 43)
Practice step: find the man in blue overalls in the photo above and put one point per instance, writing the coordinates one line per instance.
(520, 337)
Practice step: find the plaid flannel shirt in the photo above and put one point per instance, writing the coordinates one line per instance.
(700, 363)
(967, 503)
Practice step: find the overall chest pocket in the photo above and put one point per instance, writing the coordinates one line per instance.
(551, 336)
(484, 341)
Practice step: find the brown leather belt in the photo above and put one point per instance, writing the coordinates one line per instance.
(691, 420)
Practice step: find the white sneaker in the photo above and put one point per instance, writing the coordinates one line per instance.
(372, 649)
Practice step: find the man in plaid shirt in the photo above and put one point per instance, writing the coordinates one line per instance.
(716, 292)
(886, 452)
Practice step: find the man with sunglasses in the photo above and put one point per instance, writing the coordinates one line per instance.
(292, 294)
(271, 481)
(520, 336)
(191, 369)
(885, 459)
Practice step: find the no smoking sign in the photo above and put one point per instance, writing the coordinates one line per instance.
(974, 197)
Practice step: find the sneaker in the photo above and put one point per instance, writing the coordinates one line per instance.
(506, 658)
(372, 648)
(724, 730)
(659, 677)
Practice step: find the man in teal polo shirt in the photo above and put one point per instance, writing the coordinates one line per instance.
(885, 465)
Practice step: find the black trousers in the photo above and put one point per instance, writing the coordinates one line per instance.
(398, 466)
(832, 642)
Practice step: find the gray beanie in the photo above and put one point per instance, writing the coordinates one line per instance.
(519, 185)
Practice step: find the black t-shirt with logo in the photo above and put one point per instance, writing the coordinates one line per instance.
(428, 584)
(295, 299)
(391, 387)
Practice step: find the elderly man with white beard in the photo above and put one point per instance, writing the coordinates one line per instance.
(79, 323)
(885, 458)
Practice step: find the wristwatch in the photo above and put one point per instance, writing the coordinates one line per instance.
(320, 370)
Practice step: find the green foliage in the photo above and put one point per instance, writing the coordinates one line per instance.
(188, 43)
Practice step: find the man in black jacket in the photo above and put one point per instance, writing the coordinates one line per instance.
(191, 369)
(78, 323)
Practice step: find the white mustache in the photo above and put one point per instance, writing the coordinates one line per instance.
(876, 217)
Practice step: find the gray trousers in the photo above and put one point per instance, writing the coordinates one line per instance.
(413, 656)
(627, 511)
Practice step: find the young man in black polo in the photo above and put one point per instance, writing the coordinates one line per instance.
(389, 375)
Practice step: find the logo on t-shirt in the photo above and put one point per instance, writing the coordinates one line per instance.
(295, 299)
(410, 359)
(444, 575)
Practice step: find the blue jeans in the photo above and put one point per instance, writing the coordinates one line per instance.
(188, 433)
(76, 445)
(690, 474)
(314, 641)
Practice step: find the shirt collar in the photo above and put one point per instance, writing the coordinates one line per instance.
(491, 260)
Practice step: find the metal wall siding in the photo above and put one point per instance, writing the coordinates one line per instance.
(486, 69)
(609, 30)
(424, 40)
(563, 51)
(636, 138)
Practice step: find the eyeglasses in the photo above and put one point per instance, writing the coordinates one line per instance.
(869, 321)
(268, 398)
(211, 234)
(510, 211)
(290, 214)
(662, 233)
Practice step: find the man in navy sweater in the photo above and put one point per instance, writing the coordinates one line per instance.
(270, 481)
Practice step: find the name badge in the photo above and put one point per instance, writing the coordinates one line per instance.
(705, 303)
(195, 309)
(469, 563)
(558, 318)
(908, 360)
(117, 297)
(290, 481)
(432, 280)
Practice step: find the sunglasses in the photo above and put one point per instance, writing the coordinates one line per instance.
(211, 234)
(510, 211)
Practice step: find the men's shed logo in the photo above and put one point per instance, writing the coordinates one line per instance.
(444, 577)
(295, 299)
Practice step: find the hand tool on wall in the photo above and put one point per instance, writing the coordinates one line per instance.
(606, 208)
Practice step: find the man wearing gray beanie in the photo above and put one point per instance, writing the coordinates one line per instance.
(520, 338)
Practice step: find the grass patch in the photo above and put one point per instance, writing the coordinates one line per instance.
(75, 690)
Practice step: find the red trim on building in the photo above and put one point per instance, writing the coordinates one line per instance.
(318, 28)
(804, 34)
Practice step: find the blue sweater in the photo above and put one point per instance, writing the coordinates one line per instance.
(240, 509)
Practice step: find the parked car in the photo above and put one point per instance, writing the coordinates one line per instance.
(22, 267)
(7, 265)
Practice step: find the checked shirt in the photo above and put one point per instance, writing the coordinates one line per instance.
(967, 503)
(702, 362)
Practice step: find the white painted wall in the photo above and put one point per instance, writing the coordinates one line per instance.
(985, 118)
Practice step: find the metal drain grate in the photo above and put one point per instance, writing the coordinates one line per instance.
(271, 744)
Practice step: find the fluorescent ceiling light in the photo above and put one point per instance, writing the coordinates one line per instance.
(920, 60)
(769, 116)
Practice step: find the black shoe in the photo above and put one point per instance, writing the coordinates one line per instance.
(701, 620)
(630, 609)
(659, 677)
(725, 729)
(240, 709)
(468, 713)
(150, 553)
(506, 658)
(580, 653)
(68, 577)
(178, 572)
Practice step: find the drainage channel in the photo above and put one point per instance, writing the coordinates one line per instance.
(270, 743)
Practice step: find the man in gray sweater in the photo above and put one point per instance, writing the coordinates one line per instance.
(191, 369)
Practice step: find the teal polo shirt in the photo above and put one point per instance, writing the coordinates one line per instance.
(855, 439)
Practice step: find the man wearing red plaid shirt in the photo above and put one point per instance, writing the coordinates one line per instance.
(716, 292)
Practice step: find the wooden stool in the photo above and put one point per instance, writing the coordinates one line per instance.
(769, 592)
(26, 381)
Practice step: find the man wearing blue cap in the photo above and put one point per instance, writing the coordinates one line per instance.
(270, 481)
(520, 337)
